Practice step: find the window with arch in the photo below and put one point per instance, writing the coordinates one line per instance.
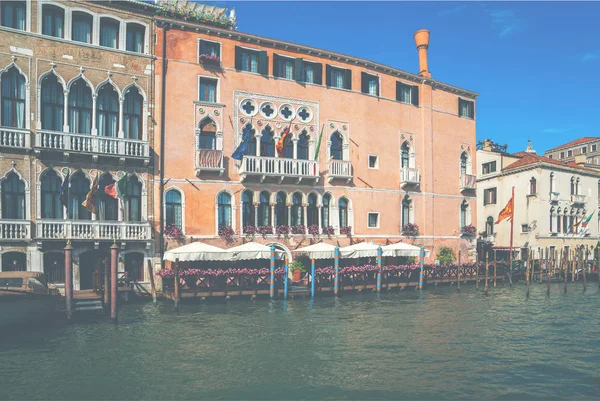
(312, 216)
(577, 185)
(208, 134)
(336, 150)
(264, 209)
(247, 208)
(343, 212)
(107, 111)
(51, 205)
(267, 143)
(297, 210)
(406, 205)
(80, 108)
(464, 214)
(551, 182)
(13, 98)
(405, 155)
(325, 211)
(133, 114)
(489, 226)
(13, 197)
(464, 162)
(135, 38)
(81, 27)
(224, 209)
(248, 130)
(107, 205)
(52, 103)
(281, 210)
(573, 186)
(302, 151)
(558, 220)
(53, 21)
(109, 32)
(288, 148)
(79, 187)
(173, 209)
(532, 186)
(13, 14)
(133, 200)
(552, 217)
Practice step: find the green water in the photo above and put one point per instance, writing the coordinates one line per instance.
(434, 344)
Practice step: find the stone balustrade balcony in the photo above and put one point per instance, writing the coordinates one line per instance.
(15, 138)
(209, 160)
(340, 169)
(468, 182)
(554, 196)
(93, 230)
(578, 199)
(15, 229)
(410, 176)
(263, 167)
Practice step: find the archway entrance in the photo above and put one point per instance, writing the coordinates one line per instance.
(134, 266)
(91, 269)
(54, 267)
(14, 262)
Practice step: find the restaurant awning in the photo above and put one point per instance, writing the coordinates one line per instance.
(360, 250)
(196, 251)
(403, 249)
(253, 250)
(318, 251)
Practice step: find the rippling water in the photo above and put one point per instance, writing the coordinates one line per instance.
(435, 344)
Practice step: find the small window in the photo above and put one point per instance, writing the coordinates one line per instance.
(407, 93)
(134, 41)
(13, 14)
(466, 108)
(594, 148)
(525, 228)
(489, 196)
(533, 186)
(584, 150)
(81, 27)
(210, 50)
(488, 168)
(109, 33)
(562, 155)
(283, 67)
(549, 156)
(373, 220)
(208, 90)
(373, 161)
(569, 153)
(251, 60)
(53, 20)
(312, 73)
(339, 77)
(370, 84)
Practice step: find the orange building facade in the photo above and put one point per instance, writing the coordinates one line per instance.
(397, 149)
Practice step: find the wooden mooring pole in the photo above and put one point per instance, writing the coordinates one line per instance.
(114, 290)
(528, 266)
(486, 273)
(152, 285)
(584, 254)
(573, 263)
(494, 268)
(550, 264)
(458, 273)
(544, 259)
(477, 271)
(69, 279)
(106, 282)
(176, 283)
(565, 268)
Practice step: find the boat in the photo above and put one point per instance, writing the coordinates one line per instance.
(25, 299)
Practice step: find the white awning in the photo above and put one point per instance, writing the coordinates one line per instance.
(360, 250)
(196, 251)
(318, 251)
(253, 250)
(403, 249)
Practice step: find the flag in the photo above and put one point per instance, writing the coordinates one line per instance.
(281, 143)
(117, 190)
(319, 144)
(242, 148)
(587, 220)
(507, 212)
(64, 190)
(91, 198)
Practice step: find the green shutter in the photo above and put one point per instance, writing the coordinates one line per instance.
(398, 89)
(328, 75)
(238, 58)
(414, 95)
(364, 82)
(318, 73)
(459, 103)
(276, 60)
(263, 63)
(348, 79)
(299, 70)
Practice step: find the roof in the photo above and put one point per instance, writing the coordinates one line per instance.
(576, 142)
(526, 159)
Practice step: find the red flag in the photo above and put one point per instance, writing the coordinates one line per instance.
(281, 143)
(507, 212)
(111, 190)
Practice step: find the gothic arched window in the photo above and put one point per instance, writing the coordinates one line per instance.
(107, 111)
(13, 98)
(80, 108)
(13, 197)
(336, 150)
(51, 206)
(52, 103)
(133, 114)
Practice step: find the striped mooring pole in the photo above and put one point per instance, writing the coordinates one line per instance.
(422, 263)
(285, 279)
(312, 277)
(272, 274)
(337, 269)
(379, 254)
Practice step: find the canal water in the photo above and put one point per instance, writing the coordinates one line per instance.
(431, 344)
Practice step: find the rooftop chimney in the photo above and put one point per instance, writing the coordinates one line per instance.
(422, 42)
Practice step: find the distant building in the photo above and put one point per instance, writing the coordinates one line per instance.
(586, 150)
(553, 200)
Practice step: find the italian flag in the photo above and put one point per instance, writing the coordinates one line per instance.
(117, 190)
(587, 220)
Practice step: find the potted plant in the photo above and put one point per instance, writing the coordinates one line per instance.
(297, 269)
(468, 231)
(347, 231)
(410, 230)
(227, 233)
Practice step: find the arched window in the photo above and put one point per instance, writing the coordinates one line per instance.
(406, 204)
(132, 114)
(573, 186)
(107, 111)
(13, 197)
(343, 211)
(312, 216)
(336, 150)
(53, 21)
(288, 148)
(107, 205)
(325, 222)
(252, 143)
(281, 211)
(173, 208)
(81, 27)
(532, 186)
(80, 186)
(13, 14)
(224, 209)
(247, 208)
(464, 160)
(302, 151)
(134, 266)
(80, 108)
(51, 206)
(551, 182)
(464, 214)
(264, 209)
(267, 143)
(577, 185)
(489, 226)
(133, 200)
(405, 155)
(135, 38)
(552, 217)
(52, 103)
(109, 32)
(297, 210)
(13, 98)
(208, 134)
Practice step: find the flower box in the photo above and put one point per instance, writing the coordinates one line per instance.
(299, 229)
(468, 231)
(410, 230)
(227, 233)
(208, 60)
(347, 231)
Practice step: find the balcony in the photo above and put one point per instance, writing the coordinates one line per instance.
(93, 230)
(92, 144)
(279, 168)
(410, 176)
(468, 182)
(578, 199)
(554, 196)
(209, 160)
(15, 230)
(15, 138)
(339, 169)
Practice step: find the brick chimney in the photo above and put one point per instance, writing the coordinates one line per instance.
(422, 42)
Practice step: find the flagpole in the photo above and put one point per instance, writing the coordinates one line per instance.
(510, 250)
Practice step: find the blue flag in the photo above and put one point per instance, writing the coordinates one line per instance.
(242, 148)
(64, 190)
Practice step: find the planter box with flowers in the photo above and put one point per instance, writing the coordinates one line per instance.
(299, 229)
(249, 232)
(173, 231)
(468, 231)
(313, 230)
(227, 233)
(264, 230)
(172, 9)
(329, 231)
(210, 60)
(410, 230)
(347, 231)
(282, 231)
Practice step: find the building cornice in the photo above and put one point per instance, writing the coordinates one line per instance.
(547, 166)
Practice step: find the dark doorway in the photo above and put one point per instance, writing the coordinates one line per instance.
(134, 266)
(14, 262)
(54, 267)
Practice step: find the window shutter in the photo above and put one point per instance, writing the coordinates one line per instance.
(276, 61)
(238, 58)
(348, 79)
(263, 63)
(414, 96)
(364, 85)
(398, 90)
(328, 75)
(459, 101)
(298, 70)
(472, 110)
(318, 73)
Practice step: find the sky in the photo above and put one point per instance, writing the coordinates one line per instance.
(535, 65)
